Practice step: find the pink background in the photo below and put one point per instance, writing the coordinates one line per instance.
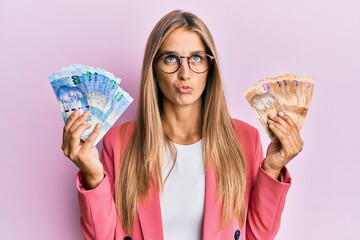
(255, 39)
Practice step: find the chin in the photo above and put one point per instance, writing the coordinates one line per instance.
(187, 99)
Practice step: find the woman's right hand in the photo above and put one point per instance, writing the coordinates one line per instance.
(83, 154)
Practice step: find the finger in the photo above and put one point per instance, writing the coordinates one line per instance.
(92, 137)
(291, 129)
(286, 139)
(294, 128)
(80, 120)
(278, 118)
(74, 140)
(283, 126)
(290, 147)
(288, 123)
(67, 126)
(287, 118)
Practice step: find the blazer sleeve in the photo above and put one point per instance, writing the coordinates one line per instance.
(97, 207)
(267, 199)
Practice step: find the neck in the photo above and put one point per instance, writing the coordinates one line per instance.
(182, 124)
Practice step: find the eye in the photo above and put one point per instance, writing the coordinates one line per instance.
(170, 58)
(196, 58)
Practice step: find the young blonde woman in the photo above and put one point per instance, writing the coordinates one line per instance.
(183, 169)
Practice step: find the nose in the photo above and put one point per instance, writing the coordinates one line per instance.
(184, 70)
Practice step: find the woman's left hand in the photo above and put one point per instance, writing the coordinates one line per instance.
(287, 145)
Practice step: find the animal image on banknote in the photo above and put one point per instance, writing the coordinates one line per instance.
(96, 90)
(72, 98)
(289, 93)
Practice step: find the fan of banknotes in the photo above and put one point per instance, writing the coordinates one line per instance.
(289, 93)
(85, 88)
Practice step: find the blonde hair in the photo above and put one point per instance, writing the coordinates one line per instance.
(142, 157)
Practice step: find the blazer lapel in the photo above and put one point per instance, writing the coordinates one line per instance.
(212, 207)
(149, 212)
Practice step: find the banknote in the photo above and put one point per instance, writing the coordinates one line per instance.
(264, 101)
(120, 102)
(86, 88)
(290, 93)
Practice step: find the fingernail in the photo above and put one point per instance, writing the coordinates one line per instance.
(281, 113)
(271, 125)
(272, 115)
(98, 125)
(86, 113)
(270, 122)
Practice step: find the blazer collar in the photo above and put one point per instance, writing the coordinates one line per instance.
(149, 211)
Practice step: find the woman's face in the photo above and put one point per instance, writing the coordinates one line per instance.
(183, 87)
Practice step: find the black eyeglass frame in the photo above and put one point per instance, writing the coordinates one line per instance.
(188, 60)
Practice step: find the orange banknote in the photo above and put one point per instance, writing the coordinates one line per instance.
(289, 93)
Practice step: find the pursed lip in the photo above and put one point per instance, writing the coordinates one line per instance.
(184, 89)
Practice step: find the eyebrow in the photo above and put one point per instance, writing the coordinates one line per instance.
(174, 52)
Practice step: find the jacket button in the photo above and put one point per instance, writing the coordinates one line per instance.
(237, 235)
(127, 238)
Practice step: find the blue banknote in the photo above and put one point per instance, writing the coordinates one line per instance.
(86, 88)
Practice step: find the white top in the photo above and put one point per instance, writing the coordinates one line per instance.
(182, 202)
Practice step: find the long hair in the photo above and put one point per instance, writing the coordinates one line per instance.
(141, 161)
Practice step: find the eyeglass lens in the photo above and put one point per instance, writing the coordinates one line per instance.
(198, 62)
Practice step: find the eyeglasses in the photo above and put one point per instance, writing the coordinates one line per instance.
(169, 62)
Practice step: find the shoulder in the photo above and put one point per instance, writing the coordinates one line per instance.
(244, 130)
(249, 139)
(114, 143)
(119, 134)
